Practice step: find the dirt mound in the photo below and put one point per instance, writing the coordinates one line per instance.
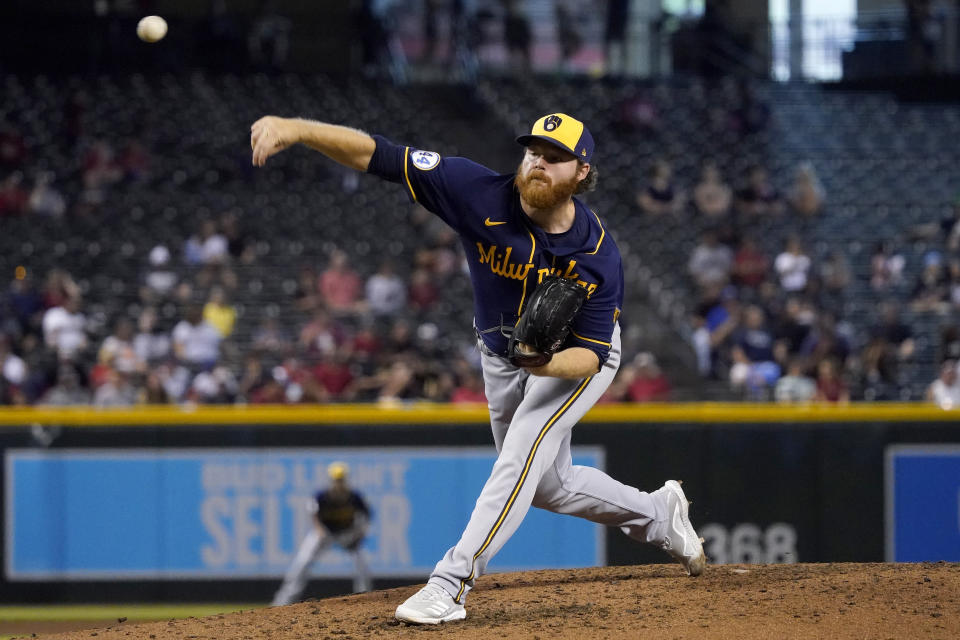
(836, 601)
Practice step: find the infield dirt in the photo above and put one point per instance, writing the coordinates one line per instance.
(743, 602)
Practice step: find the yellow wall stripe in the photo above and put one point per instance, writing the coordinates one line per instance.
(406, 172)
(427, 413)
(523, 476)
(580, 337)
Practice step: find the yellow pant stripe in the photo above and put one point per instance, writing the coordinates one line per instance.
(516, 489)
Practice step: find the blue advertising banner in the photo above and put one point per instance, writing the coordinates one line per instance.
(923, 503)
(199, 513)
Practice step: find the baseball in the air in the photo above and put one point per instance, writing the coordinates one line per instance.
(152, 28)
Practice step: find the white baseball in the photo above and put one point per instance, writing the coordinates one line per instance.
(151, 28)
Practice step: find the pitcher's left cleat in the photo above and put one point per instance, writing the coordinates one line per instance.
(430, 605)
(680, 540)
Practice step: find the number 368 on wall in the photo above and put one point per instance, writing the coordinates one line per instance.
(747, 543)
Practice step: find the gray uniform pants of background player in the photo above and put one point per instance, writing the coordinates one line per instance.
(532, 419)
(295, 580)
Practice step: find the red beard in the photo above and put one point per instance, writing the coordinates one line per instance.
(539, 192)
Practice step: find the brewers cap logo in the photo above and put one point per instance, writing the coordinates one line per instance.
(551, 122)
(425, 160)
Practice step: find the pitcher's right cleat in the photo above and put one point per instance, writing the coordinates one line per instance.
(430, 605)
(680, 540)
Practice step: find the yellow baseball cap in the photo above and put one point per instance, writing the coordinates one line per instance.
(338, 470)
(563, 131)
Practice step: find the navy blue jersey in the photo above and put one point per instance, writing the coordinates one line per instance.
(337, 511)
(507, 253)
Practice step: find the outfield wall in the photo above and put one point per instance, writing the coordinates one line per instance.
(206, 504)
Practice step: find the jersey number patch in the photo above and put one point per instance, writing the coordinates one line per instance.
(425, 160)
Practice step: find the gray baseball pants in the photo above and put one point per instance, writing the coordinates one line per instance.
(311, 548)
(532, 419)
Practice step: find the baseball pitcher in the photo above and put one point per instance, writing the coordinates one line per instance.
(548, 289)
(340, 517)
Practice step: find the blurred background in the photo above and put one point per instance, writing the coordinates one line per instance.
(781, 179)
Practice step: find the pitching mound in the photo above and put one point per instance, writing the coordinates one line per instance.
(836, 601)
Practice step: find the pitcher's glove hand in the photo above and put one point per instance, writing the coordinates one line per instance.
(545, 323)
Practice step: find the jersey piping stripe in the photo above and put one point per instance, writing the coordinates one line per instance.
(603, 232)
(406, 173)
(579, 337)
(523, 476)
(523, 296)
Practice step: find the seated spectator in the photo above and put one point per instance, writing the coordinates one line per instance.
(13, 197)
(712, 196)
(661, 195)
(134, 161)
(57, 287)
(758, 197)
(423, 292)
(69, 389)
(216, 386)
(795, 387)
(340, 285)
(469, 388)
(711, 262)
(206, 247)
(826, 339)
(160, 279)
(953, 283)
(240, 245)
(891, 342)
(307, 294)
(835, 276)
(13, 374)
(100, 170)
(886, 267)
(649, 384)
(792, 327)
(754, 367)
(750, 264)
(830, 386)
(44, 199)
(386, 291)
(116, 391)
(931, 293)
(13, 146)
(218, 313)
(334, 375)
(196, 343)
(321, 337)
(949, 348)
(271, 338)
(150, 344)
(806, 195)
(945, 390)
(118, 349)
(64, 329)
(24, 301)
(715, 319)
(152, 392)
(793, 266)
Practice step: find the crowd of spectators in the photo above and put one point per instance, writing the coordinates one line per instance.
(771, 324)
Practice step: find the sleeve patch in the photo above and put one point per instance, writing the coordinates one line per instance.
(425, 160)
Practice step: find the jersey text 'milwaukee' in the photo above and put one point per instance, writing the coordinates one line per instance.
(507, 254)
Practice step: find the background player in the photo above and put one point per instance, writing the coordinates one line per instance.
(516, 229)
(341, 517)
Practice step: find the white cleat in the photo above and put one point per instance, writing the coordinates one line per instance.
(681, 541)
(430, 605)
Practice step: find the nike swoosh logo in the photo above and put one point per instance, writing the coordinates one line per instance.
(490, 223)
